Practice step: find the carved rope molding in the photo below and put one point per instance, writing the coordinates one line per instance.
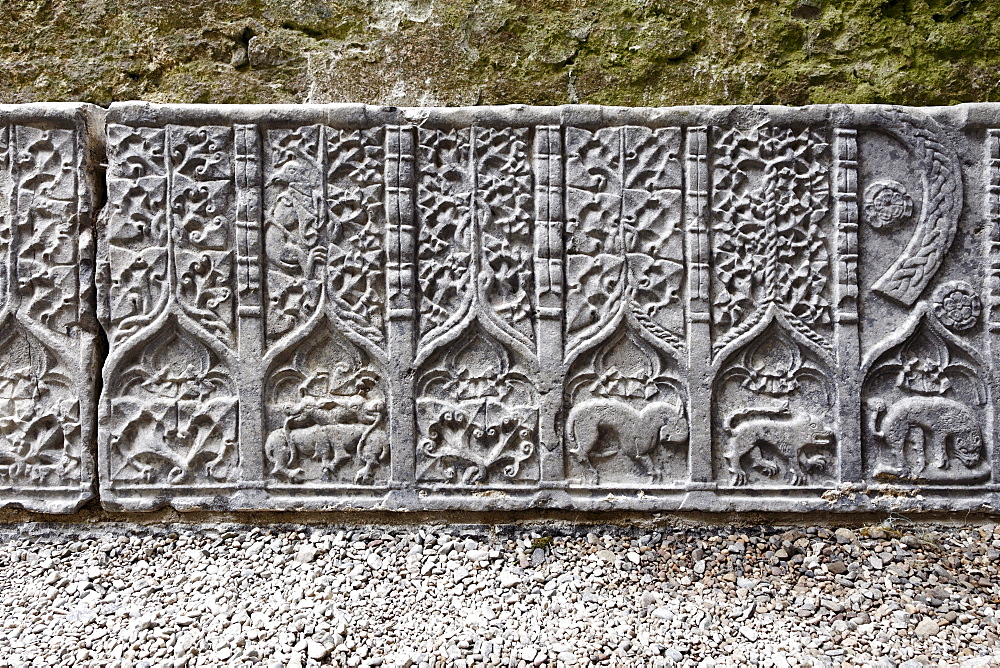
(502, 308)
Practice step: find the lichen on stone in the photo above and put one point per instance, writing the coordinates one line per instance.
(421, 52)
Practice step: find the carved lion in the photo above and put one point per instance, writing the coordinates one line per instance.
(780, 431)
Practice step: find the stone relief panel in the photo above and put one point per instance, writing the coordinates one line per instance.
(774, 395)
(926, 396)
(352, 307)
(170, 411)
(324, 240)
(48, 356)
(477, 402)
(625, 391)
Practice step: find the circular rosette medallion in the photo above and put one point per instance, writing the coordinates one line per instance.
(887, 204)
(956, 305)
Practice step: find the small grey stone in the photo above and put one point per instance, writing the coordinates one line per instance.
(305, 554)
(927, 627)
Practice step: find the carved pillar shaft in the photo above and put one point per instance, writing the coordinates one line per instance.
(401, 287)
(992, 250)
(699, 320)
(548, 288)
(247, 168)
(845, 152)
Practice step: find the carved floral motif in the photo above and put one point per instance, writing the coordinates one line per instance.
(770, 200)
(887, 204)
(483, 427)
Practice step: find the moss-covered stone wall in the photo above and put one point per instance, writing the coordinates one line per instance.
(444, 52)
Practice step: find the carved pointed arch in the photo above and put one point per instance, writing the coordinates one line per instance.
(477, 410)
(774, 407)
(626, 360)
(477, 316)
(925, 406)
(327, 314)
(39, 410)
(921, 317)
(925, 357)
(172, 407)
(326, 407)
(789, 324)
(170, 317)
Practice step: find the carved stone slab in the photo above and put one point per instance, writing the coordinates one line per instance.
(48, 358)
(569, 307)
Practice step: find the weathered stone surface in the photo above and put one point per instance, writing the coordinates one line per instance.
(48, 358)
(460, 52)
(578, 307)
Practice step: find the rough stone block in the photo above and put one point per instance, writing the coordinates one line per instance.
(48, 355)
(714, 308)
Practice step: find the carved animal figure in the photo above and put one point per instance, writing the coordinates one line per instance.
(600, 422)
(945, 425)
(779, 431)
(333, 445)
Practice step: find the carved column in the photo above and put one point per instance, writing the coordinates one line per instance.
(247, 168)
(549, 289)
(401, 288)
(992, 250)
(699, 320)
(845, 152)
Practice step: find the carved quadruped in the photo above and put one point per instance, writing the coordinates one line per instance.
(924, 398)
(48, 361)
(354, 307)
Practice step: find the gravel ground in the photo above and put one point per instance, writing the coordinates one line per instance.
(894, 594)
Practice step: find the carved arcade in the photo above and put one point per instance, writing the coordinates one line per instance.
(503, 308)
